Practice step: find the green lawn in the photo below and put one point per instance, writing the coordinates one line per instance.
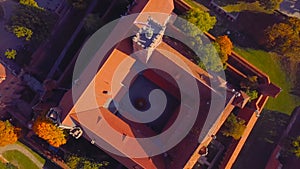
(7, 166)
(244, 6)
(269, 64)
(195, 4)
(19, 159)
(2, 165)
(37, 156)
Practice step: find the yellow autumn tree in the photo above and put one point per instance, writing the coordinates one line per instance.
(8, 133)
(10, 54)
(30, 3)
(48, 131)
(21, 31)
(283, 38)
(225, 47)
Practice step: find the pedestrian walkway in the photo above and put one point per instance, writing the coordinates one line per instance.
(22, 150)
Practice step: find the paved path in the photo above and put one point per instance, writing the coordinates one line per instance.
(22, 150)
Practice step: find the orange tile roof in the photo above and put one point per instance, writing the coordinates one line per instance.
(103, 82)
(2, 71)
(91, 112)
(162, 8)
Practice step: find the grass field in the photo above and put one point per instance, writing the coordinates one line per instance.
(19, 159)
(195, 4)
(37, 156)
(243, 6)
(270, 64)
(2, 165)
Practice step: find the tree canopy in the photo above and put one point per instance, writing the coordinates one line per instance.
(39, 21)
(203, 20)
(253, 94)
(92, 22)
(48, 131)
(10, 54)
(8, 133)
(233, 127)
(209, 57)
(295, 146)
(225, 47)
(76, 162)
(250, 85)
(30, 3)
(21, 31)
(284, 38)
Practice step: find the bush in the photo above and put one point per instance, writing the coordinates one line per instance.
(253, 94)
(76, 162)
(249, 86)
(233, 127)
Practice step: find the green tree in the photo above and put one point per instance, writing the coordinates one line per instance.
(21, 31)
(209, 57)
(8, 133)
(76, 162)
(250, 85)
(270, 4)
(233, 127)
(73, 161)
(92, 22)
(199, 18)
(10, 54)
(253, 94)
(38, 21)
(284, 38)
